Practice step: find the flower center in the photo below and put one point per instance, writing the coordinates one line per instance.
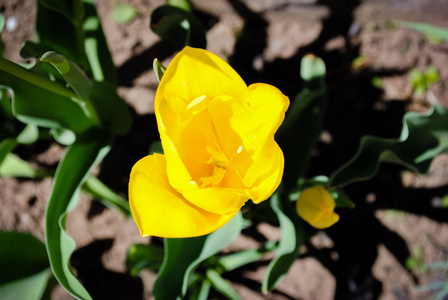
(219, 162)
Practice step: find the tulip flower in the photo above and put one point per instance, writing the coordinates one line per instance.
(316, 206)
(217, 136)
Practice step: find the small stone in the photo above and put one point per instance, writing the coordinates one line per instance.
(12, 24)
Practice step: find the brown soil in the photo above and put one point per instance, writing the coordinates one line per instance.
(361, 257)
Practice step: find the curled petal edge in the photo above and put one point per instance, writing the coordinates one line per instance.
(159, 210)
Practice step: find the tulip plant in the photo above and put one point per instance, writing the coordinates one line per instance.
(222, 143)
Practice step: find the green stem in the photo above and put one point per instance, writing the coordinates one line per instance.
(21, 72)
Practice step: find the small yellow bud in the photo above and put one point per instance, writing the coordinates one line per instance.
(316, 206)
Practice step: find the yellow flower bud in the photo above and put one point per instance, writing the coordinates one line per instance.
(316, 206)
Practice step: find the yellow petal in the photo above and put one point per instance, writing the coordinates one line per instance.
(267, 107)
(159, 210)
(217, 200)
(185, 147)
(269, 167)
(193, 73)
(315, 205)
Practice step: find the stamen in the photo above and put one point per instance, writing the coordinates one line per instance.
(196, 101)
(220, 162)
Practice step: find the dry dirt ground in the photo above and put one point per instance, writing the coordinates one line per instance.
(361, 257)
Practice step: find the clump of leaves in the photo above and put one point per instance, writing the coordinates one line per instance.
(422, 81)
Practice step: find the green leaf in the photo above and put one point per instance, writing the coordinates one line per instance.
(39, 101)
(432, 75)
(5, 106)
(178, 27)
(2, 25)
(6, 146)
(222, 285)
(70, 9)
(29, 135)
(96, 48)
(182, 256)
(72, 74)
(24, 264)
(14, 166)
(22, 255)
(33, 50)
(430, 30)
(233, 261)
(423, 137)
(158, 68)
(11, 165)
(77, 80)
(290, 242)
(142, 256)
(30, 288)
(77, 34)
(73, 170)
(59, 26)
(204, 290)
(302, 127)
(182, 4)
(156, 147)
(123, 13)
(100, 191)
(341, 199)
(63, 136)
(111, 108)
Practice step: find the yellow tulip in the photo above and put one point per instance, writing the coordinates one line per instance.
(219, 151)
(316, 206)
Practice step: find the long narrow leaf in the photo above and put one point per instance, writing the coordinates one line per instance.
(97, 50)
(14, 166)
(24, 264)
(222, 286)
(233, 261)
(73, 170)
(29, 288)
(428, 29)
(72, 74)
(59, 26)
(183, 255)
(37, 105)
(290, 242)
(105, 195)
(423, 137)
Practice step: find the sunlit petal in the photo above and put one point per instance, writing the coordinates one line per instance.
(159, 210)
(194, 73)
(218, 200)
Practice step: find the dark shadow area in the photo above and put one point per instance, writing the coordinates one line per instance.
(137, 64)
(127, 150)
(250, 43)
(100, 282)
(142, 62)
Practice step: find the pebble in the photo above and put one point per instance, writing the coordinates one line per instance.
(11, 24)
